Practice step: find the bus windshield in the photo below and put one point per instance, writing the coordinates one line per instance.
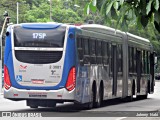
(39, 37)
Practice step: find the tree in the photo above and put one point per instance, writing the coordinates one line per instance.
(140, 11)
(38, 14)
(61, 12)
(36, 3)
(11, 7)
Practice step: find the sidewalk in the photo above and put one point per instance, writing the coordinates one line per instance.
(4, 100)
(1, 93)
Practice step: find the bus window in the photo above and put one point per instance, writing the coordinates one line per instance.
(99, 52)
(130, 59)
(119, 51)
(79, 42)
(134, 57)
(110, 57)
(144, 62)
(39, 38)
(147, 57)
(86, 51)
(86, 46)
(105, 53)
(92, 47)
(80, 49)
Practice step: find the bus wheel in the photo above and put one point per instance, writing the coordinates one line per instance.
(130, 98)
(141, 97)
(132, 92)
(145, 96)
(100, 97)
(33, 106)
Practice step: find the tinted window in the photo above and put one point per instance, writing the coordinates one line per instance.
(86, 47)
(80, 49)
(119, 51)
(105, 51)
(92, 47)
(98, 48)
(39, 38)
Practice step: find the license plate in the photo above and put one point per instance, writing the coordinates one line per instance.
(37, 81)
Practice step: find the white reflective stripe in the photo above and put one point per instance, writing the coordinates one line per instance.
(38, 49)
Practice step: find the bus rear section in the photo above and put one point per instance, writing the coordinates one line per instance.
(39, 64)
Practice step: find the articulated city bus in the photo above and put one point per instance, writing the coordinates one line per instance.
(49, 63)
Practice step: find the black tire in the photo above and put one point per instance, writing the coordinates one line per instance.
(144, 96)
(100, 97)
(132, 92)
(53, 105)
(141, 97)
(33, 106)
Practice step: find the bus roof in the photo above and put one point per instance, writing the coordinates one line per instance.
(137, 37)
(104, 29)
(89, 27)
(98, 28)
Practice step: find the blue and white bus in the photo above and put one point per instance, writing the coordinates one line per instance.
(49, 63)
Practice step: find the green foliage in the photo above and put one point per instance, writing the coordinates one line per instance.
(65, 16)
(11, 7)
(36, 3)
(126, 10)
(39, 11)
(38, 14)
(140, 17)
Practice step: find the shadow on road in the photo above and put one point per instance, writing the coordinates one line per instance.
(67, 108)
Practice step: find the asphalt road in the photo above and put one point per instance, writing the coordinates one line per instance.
(148, 109)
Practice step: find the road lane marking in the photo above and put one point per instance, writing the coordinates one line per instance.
(121, 118)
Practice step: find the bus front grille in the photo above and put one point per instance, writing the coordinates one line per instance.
(38, 57)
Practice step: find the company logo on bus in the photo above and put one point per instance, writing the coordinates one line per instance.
(37, 81)
(22, 68)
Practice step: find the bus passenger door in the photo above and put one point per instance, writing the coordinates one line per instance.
(114, 69)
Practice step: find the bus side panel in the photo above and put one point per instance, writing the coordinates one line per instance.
(82, 85)
(8, 61)
(69, 61)
(82, 79)
(8, 48)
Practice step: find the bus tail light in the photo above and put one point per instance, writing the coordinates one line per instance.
(71, 81)
(7, 82)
